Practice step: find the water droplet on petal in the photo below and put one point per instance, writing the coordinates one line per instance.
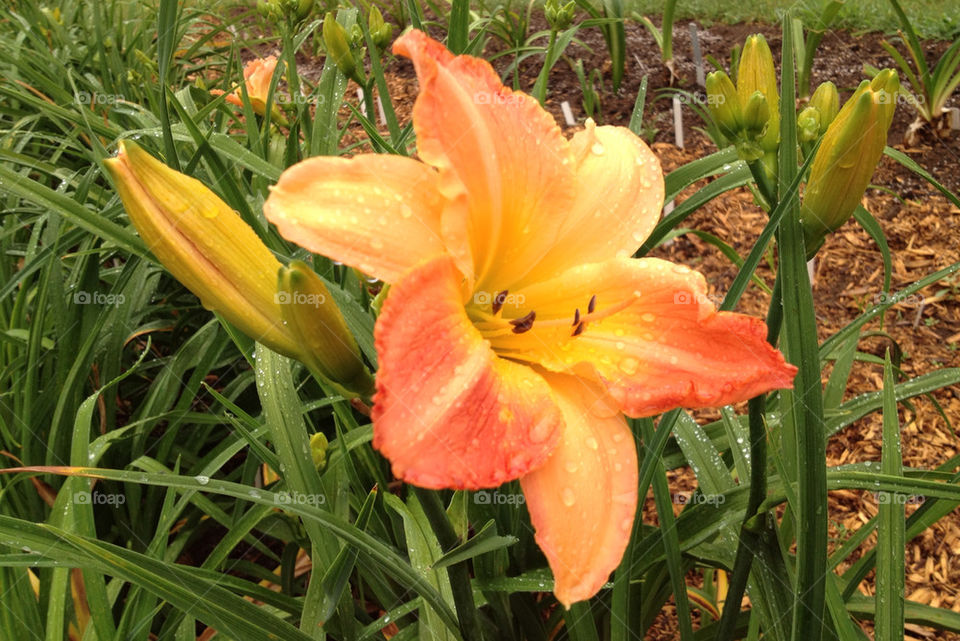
(629, 366)
(597, 149)
(568, 497)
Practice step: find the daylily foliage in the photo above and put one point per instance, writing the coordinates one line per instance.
(519, 330)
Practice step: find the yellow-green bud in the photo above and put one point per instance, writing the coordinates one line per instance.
(318, 450)
(314, 320)
(204, 243)
(826, 101)
(269, 9)
(304, 8)
(335, 40)
(757, 73)
(381, 31)
(724, 104)
(808, 124)
(756, 115)
(355, 35)
(849, 154)
(559, 17)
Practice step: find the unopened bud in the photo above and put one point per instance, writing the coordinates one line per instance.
(381, 31)
(724, 104)
(826, 101)
(204, 244)
(808, 124)
(335, 40)
(318, 450)
(756, 116)
(313, 318)
(851, 149)
(757, 73)
(559, 17)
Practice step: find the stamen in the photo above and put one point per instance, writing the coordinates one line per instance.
(576, 317)
(498, 300)
(525, 324)
(579, 329)
(592, 305)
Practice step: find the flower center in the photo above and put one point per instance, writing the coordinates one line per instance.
(503, 316)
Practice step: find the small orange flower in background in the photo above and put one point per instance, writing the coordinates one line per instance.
(519, 330)
(257, 75)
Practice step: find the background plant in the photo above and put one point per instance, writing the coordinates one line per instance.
(195, 499)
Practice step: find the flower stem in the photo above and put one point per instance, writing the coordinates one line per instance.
(458, 572)
(749, 535)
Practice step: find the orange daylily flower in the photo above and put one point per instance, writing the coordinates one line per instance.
(518, 330)
(257, 75)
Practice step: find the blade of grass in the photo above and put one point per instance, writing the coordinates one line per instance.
(890, 532)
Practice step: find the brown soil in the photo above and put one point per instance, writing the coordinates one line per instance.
(921, 226)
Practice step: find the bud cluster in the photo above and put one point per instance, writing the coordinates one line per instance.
(748, 113)
(852, 145)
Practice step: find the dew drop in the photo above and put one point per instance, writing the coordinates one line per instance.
(541, 431)
(592, 443)
(597, 149)
(568, 497)
(629, 365)
(202, 480)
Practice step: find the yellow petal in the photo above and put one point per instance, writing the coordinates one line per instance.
(619, 195)
(378, 213)
(203, 243)
(582, 501)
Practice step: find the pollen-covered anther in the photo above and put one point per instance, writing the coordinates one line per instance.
(523, 324)
(498, 301)
(592, 305)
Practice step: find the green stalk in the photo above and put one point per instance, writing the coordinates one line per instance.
(666, 47)
(750, 537)
(458, 572)
(540, 88)
(803, 404)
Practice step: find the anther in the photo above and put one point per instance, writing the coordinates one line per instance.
(498, 300)
(578, 330)
(576, 317)
(592, 305)
(525, 324)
